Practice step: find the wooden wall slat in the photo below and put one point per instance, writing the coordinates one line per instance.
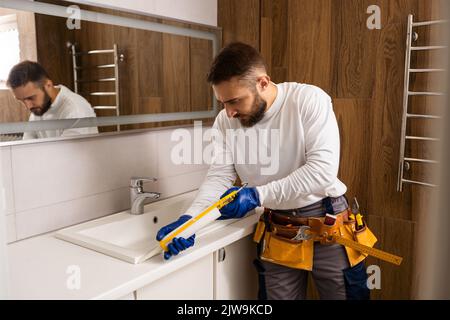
(176, 94)
(240, 21)
(277, 12)
(353, 117)
(149, 56)
(200, 61)
(266, 42)
(395, 236)
(386, 117)
(353, 50)
(51, 48)
(309, 34)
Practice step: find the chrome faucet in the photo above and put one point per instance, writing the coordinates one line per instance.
(138, 195)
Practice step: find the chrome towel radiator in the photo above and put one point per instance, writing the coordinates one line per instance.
(115, 78)
(404, 162)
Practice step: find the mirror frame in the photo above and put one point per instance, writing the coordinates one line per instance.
(85, 15)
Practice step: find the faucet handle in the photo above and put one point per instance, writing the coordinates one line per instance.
(136, 182)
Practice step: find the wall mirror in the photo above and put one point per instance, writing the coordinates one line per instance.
(136, 71)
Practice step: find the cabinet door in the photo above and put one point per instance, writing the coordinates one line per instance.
(195, 281)
(235, 276)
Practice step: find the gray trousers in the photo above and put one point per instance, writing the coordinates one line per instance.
(278, 282)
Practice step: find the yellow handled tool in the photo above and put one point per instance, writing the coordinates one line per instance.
(368, 250)
(304, 233)
(184, 227)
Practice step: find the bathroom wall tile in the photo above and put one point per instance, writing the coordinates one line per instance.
(6, 182)
(11, 234)
(49, 218)
(51, 173)
(172, 186)
(60, 215)
(171, 161)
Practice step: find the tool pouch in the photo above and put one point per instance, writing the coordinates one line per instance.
(363, 236)
(259, 232)
(284, 251)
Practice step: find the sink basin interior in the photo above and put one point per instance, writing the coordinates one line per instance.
(132, 231)
(128, 237)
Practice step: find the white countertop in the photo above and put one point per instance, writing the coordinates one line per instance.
(38, 266)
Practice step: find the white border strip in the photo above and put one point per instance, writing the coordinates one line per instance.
(17, 127)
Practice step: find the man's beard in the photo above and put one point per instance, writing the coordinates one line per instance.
(256, 114)
(39, 111)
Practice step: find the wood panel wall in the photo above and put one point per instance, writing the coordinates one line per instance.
(326, 43)
(11, 110)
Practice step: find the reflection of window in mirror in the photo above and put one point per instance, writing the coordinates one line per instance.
(18, 43)
(9, 42)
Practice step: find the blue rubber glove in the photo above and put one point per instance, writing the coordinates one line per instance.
(246, 200)
(178, 244)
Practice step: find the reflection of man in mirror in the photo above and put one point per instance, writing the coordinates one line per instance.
(31, 84)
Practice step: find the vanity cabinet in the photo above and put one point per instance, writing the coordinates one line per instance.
(235, 275)
(225, 274)
(192, 282)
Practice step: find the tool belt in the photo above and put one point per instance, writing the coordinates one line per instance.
(289, 240)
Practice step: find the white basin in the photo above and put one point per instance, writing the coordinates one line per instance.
(128, 237)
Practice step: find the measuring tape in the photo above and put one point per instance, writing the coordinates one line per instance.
(368, 250)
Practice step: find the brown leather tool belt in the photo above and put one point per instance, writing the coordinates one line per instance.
(286, 225)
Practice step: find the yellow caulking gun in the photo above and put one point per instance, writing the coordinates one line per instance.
(194, 224)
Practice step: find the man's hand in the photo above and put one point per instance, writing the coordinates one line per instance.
(178, 244)
(246, 200)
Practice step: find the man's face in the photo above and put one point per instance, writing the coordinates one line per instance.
(240, 101)
(35, 98)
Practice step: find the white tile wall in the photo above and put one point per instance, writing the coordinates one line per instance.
(52, 185)
(11, 234)
(168, 165)
(182, 183)
(59, 215)
(6, 184)
(50, 173)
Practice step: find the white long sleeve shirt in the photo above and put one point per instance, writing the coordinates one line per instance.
(67, 105)
(300, 134)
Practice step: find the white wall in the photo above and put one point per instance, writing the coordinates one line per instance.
(3, 261)
(3, 256)
(199, 11)
(51, 185)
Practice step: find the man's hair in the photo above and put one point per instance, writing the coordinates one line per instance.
(24, 72)
(236, 60)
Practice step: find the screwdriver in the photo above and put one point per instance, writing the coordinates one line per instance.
(357, 215)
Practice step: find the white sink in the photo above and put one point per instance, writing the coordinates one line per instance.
(129, 237)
